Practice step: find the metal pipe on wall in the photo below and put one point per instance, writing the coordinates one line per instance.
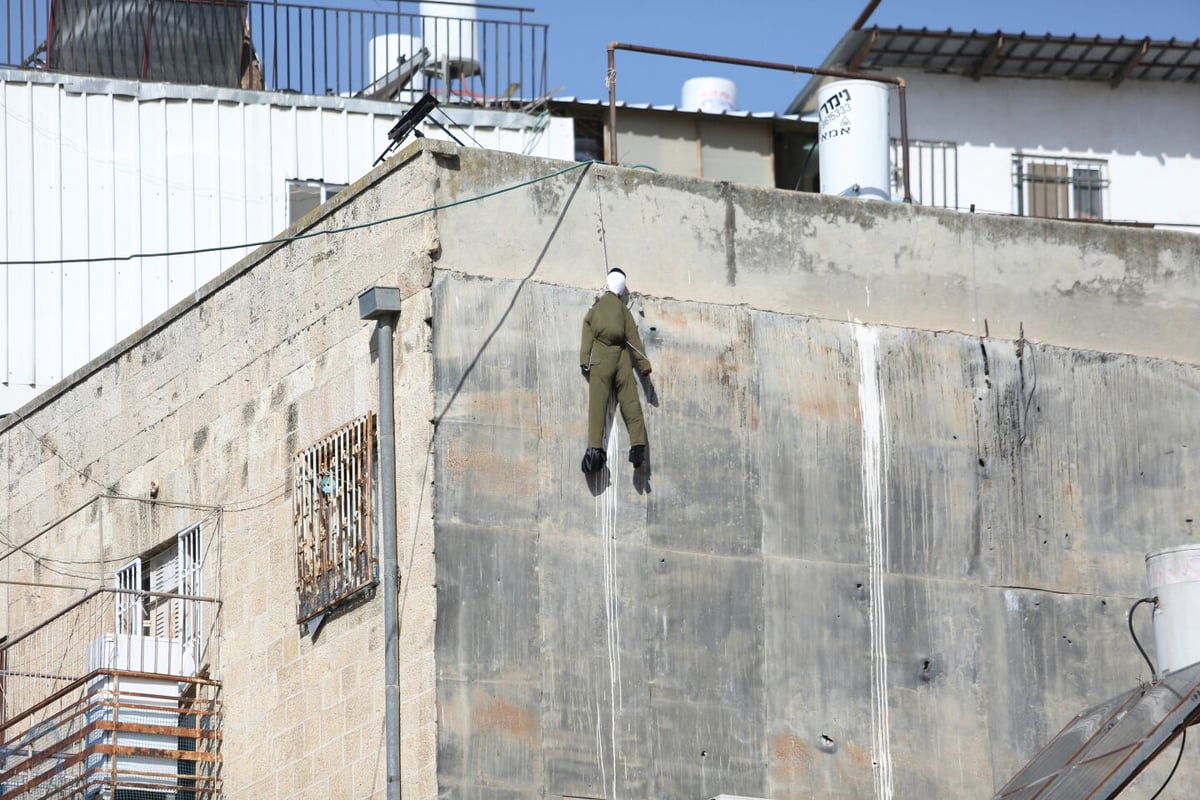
(382, 304)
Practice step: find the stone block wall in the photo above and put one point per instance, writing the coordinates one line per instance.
(210, 404)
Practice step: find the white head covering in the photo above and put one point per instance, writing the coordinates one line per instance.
(616, 281)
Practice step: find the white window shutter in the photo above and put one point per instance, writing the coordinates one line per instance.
(164, 577)
(129, 606)
(188, 583)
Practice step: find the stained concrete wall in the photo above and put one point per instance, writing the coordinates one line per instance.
(868, 560)
(856, 546)
(1118, 290)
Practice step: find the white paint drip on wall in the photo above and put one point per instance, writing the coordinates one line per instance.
(874, 496)
(606, 509)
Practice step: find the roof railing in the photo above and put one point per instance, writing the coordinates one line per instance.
(467, 54)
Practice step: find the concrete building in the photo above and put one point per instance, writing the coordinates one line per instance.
(1040, 125)
(751, 148)
(905, 465)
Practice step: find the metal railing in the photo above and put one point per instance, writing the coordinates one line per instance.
(114, 733)
(457, 54)
(86, 706)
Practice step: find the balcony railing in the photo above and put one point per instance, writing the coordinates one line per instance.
(477, 54)
(90, 709)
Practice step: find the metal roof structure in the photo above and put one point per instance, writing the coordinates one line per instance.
(1105, 747)
(670, 108)
(978, 54)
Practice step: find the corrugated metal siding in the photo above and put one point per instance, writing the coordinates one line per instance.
(110, 174)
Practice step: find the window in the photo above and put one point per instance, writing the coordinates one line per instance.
(933, 172)
(161, 581)
(304, 196)
(333, 504)
(1059, 188)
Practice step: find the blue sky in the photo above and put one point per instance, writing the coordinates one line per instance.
(797, 32)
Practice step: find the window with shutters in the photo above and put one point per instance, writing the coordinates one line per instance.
(154, 591)
(1060, 188)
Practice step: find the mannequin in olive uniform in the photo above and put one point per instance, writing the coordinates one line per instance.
(609, 333)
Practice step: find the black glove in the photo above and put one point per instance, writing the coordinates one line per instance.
(585, 370)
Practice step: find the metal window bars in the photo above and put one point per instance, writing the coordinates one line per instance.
(934, 166)
(1059, 188)
(333, 503)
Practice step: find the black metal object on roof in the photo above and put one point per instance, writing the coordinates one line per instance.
(1105, 747)
(408, 124)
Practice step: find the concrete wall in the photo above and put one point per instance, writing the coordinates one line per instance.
(869, 559)
(856, 545)
(698, 145)
(211, 402)
(1117, 290)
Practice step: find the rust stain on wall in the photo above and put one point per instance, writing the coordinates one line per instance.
(491, 714)
(791, 759)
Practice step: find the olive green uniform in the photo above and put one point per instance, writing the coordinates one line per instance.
(608, 334)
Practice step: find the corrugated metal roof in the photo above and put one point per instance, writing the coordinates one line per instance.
(1022, 55)
(677, 109)
(979, 54)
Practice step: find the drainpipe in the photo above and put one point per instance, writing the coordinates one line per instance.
(382, 304)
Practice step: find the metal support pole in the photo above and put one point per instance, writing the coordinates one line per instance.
(382, 304)
(610, 78)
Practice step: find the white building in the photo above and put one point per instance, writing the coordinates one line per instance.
(1065, 127)
(105, 175)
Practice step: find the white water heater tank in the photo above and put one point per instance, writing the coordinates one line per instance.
(853, 139)
(709, 94)
(451, 32)
(1173, 576)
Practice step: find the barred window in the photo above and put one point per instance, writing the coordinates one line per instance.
(333, 504)
(1060, 188)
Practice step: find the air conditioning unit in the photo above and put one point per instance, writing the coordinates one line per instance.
(144, 702)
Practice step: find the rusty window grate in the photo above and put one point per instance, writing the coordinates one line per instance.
(333, 503)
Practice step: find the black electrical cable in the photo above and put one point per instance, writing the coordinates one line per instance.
(1178, 758)
(1154, 600)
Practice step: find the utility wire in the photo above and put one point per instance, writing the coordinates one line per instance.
(442, 111)
(47, 444)
(41, 262)
(1178, 758)
(1154, 600)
